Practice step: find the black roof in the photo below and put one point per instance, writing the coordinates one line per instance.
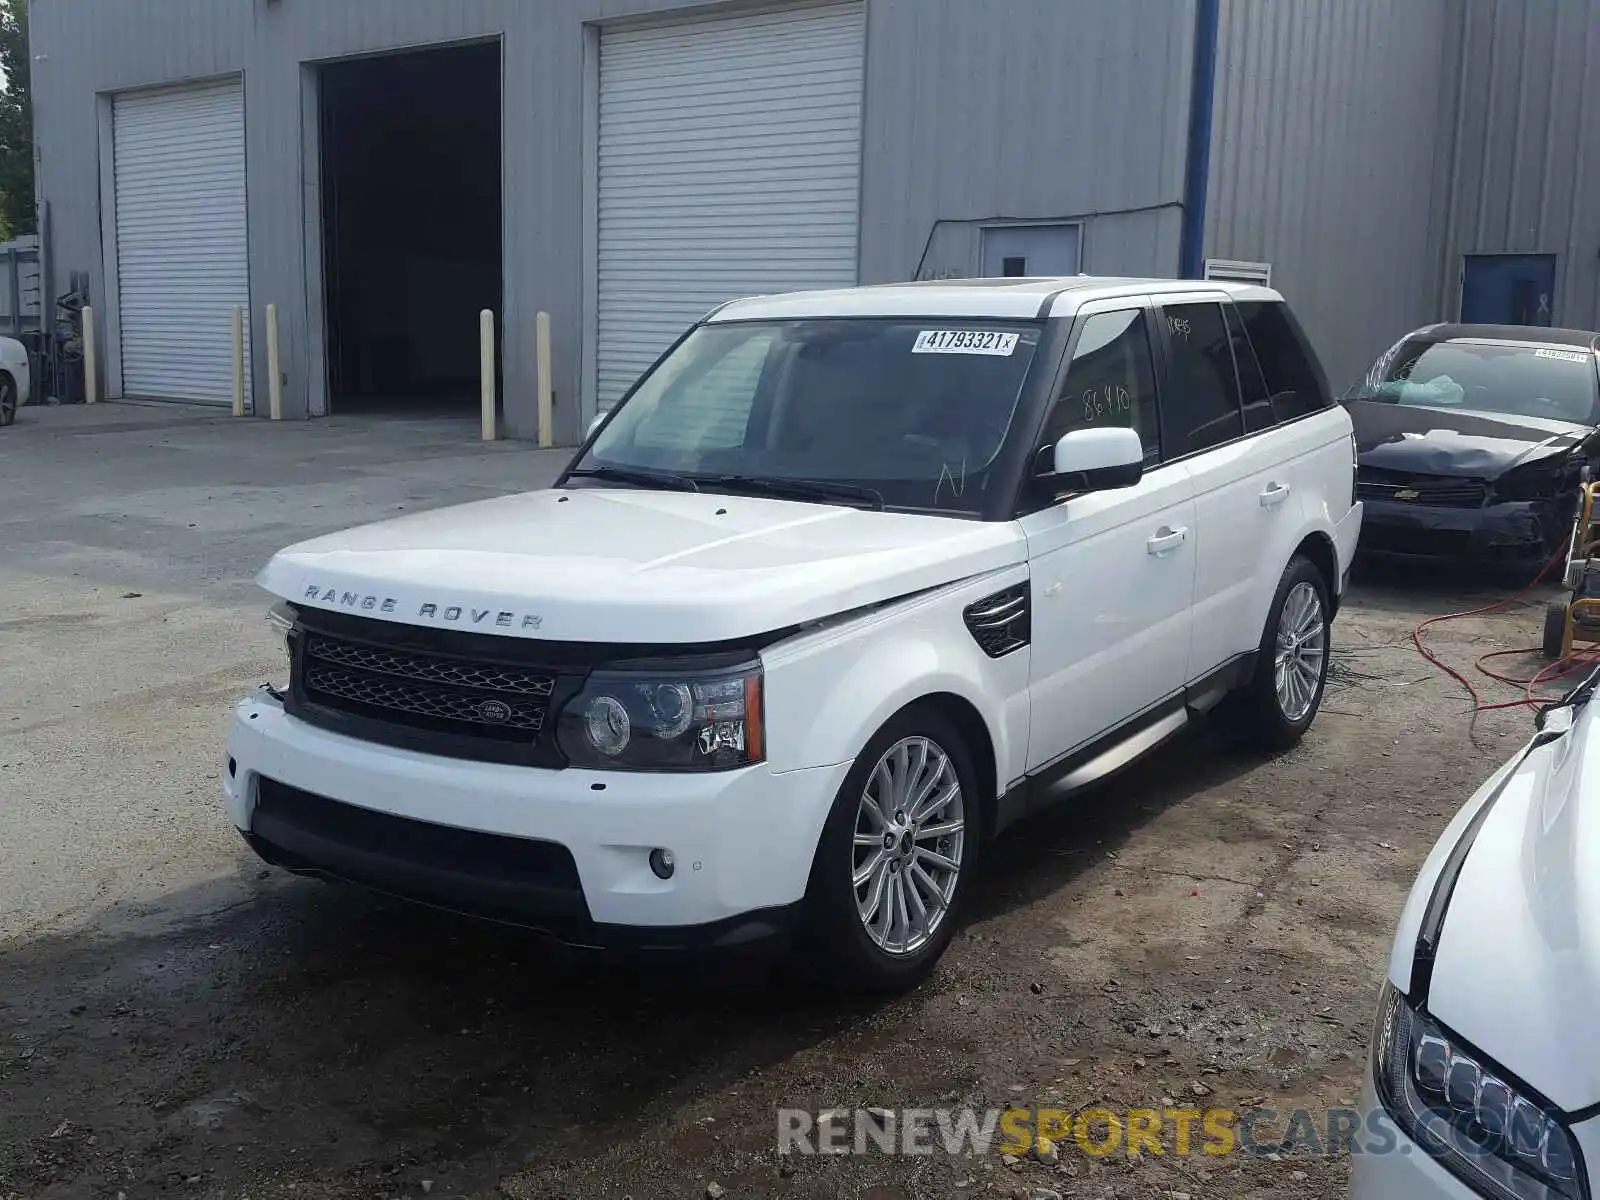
(1588, 339)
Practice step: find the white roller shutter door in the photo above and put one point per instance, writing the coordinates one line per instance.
(182, 251)
(729, 165)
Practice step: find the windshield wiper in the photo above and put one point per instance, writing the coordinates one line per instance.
(799, 489)
(641, 476)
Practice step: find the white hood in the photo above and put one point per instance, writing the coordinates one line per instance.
(1518, 966)
(600, 565)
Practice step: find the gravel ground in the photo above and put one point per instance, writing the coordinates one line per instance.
(176, 1020)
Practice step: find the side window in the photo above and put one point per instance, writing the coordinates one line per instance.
(1110, 381)
(1200, 402)
(1252, 385)
(1294, 377)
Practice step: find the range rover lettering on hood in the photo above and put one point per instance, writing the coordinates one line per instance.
(426, 610)
(619, 565)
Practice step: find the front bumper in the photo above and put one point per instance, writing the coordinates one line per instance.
(1511, 533)
(565, 853)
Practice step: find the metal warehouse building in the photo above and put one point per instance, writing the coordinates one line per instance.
(381, 170)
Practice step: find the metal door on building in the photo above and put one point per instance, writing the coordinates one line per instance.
(729, 164)
(1037, 250)
(1508, 289)
(182, 255)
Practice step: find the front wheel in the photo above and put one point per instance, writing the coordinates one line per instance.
(8, 399)
(1274, 710)
(896, 855)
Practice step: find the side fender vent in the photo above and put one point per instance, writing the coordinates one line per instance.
(999, 623)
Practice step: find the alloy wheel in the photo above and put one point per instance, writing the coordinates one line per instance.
(910, 833)
(1302, 648)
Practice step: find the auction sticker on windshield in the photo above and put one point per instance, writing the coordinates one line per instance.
(964, 341)
(1574, 356)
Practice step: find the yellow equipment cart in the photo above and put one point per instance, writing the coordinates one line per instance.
(1575, 620)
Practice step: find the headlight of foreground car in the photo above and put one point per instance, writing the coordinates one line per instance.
(665, 721)
(1467, 1114)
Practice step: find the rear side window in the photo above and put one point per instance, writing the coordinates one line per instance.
(1252, 385)
(1200, 401)
(1110, 381)
(1294, 377)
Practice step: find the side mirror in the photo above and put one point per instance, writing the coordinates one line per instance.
(1092, 460)
(599, 419)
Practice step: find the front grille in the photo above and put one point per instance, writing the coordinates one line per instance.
(411, 686)
(407, 665)
(441, 704)
(1442, 491)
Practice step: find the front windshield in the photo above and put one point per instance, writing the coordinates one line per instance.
(1514, 380)
(914, 410)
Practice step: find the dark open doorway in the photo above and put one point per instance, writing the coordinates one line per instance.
(411, 208)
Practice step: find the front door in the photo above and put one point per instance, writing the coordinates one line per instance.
(1020, 250)
(1113, 571)
(1509, 289)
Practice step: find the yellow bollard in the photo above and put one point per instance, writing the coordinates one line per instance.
(91, 380)
(541, 326)
(238, 360)
(486, 370)
(274, 375)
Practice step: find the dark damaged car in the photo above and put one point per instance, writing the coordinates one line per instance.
(1471, 441)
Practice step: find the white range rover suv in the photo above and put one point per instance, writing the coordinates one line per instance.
(846, 583)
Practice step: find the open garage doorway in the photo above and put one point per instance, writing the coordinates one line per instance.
(411, 214)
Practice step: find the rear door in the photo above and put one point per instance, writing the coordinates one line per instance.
(1245, 501)
(1112, 573)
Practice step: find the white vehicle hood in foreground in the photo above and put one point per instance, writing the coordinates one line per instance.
(634, 566)
(1518, 966)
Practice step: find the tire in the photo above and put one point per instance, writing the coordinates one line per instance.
(1264, 718)
(836, 932)
(1555, 628)
(8, 399)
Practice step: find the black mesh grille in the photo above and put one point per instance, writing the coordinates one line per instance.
(405, 684)
(1443, 491)
(374, 691)
(429, 669)
(1000, 622)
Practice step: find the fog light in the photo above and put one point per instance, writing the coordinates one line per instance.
(662, 863)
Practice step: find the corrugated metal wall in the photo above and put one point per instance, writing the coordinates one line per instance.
(1330, 160)
(974, 109)
(986, 109)
(1526, 170)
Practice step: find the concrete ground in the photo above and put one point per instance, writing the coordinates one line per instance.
(175, 1020)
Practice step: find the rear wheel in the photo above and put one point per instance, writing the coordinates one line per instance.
(893, 865)
(1274, 710)
(8, 399)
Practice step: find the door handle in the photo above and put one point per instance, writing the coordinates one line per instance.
(1166, 540)
(1274, 495)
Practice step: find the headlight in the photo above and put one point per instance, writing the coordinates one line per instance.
(1473, 1118)
(1540, 480)
(281, 617)
(665, 720)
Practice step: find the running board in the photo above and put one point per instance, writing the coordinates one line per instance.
(1113, 758)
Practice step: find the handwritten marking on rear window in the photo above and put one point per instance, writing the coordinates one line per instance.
(1179, 327)
(1574, 356)
(964, 341)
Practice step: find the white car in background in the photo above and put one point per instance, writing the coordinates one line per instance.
(14, 378)
(1485, 1061)
(846, 583)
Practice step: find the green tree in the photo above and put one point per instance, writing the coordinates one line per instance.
(16, 123)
